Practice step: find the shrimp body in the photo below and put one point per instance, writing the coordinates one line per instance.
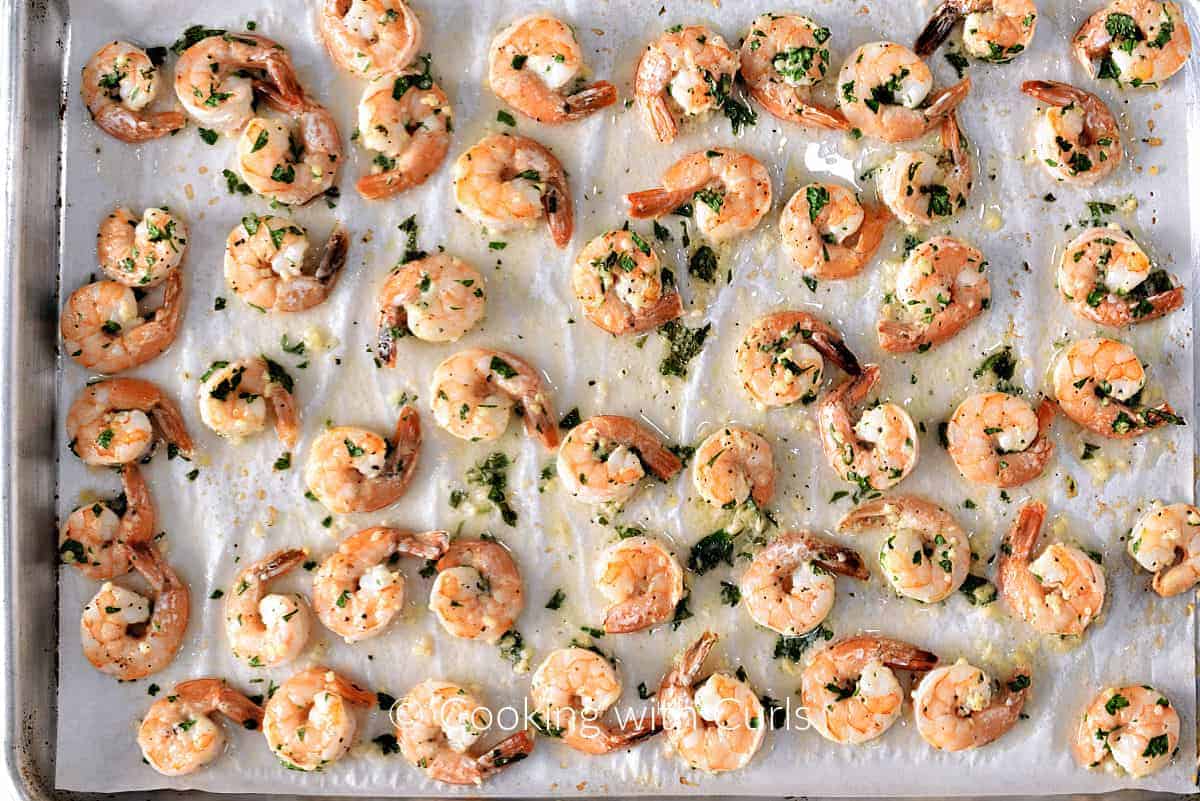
(779, 362)
(993, 30)
(507, 182)
(1166, 541)
(850, 693)
(354, 593)
(178, 735)
(790, 587)
(958, 707)
(353, 469)
(618, 280)
(234, 397)
(1135, 726)
(265, 264)
(1134, 42)
(476, 391)
(534, 64)
(642, 582)
(733, 465)
(436, 298)
(828, 233)
(921, 188)
(293, 160)
(1093, 378)
(141, 253)
(213, 78)
(119, 83)
(369, 37)
(406, 119)
(1000, 440)
(782, 58)
(876, 450)
(1076, 138)
(98, 538)
(1106, 277)
(309, 722)
(478, 593)
(603, 459)
(688, 71)
(103, 330)
(730, 192)
(110, 424)
(267, 629)
(940, 288)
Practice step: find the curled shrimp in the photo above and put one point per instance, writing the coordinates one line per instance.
(353, 469)
(476, 391)
(98, 538)
(216, 77)
(477, 594)
(128, 636)
(1097, 382)
(436, 298)
(926, 555)
(716, 725)
(783, 57)
(141, 253)
(993, 30)
(110, 422)
(103, 329)
(438, 725)
(850, 694)
(884, 91)
(1106, 277)
(1166, 541)
(603, 459)
(406, 119)
(369, 37)
(178, 734)
(234, 397)
(731, 191)
(265, 264)
(779, 361)
(1076, 138)
(790, 587)
(1000, 440)
(959, 707)
(733, 465)
(506, 182)
(354, 593)
(688, 71)
(921, 188)
(572, 689)
(642, 582)
(876, 450)
(119, 82)
(286, 164)
(1059, 592)
(1134, 726)
(267, 629)
(1134, 42)
(940, 288)
(828, 233)
(534, 65)
(309, 721)
(619, 281)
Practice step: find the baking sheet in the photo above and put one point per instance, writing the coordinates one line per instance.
(239, 508)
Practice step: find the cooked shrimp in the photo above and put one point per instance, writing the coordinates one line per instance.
(369, 37)
(1166, 541)
(850, 693)
(476, 391)
(436, 298)
(1059, 592)
(603, 459)
(958, 707)
(687, 71)
(1136, 42)
(267, 629)
(354, 593)
(98, 538)
(779, 361)
(731, 191)
(1097, 382)
(215, 78)
(286, 164)
(642, 582)
(352, 469)
(437, 727)
(119, 83)
(309, 722)
(940, 288)
(1136, 726)
(926, 555)
(110, 422)
(733, 465)
(534, 65)
(477, 594)
(102, 327)
(921, 188)
(234, 398)
(141, 253)
(571, 690)
(179, 736)
(406, 119)
(993, 30)
(716, 725)
(783, 57)
(877, 450)
(828, 233)
(129, 636)
(1000, 440)
(506, 182)
(884, 91)
(265, 264)
(1076, 138)
(619, 281)
(1107, 278)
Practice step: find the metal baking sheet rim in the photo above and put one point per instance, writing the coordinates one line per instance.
(32, 81)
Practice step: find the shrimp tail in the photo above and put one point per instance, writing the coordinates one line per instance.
(654, 203)
(688, 663)
(556, 201)
(118, 121)
(279, 563)
(283, 405)
(938, 29)
(592, 98)
(427, 545)
(900, 337)
(137, 523)
(333, 258)
(339, 684)
(943, 103)
(1157, 416)
(905, 656)
(1054, 93)
(1022, 539)
(508, 751)
(836, 558)
(170, 422)
(823, 117)
(832, 347)
(393, 325)
(405, 446)
(669, 307)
